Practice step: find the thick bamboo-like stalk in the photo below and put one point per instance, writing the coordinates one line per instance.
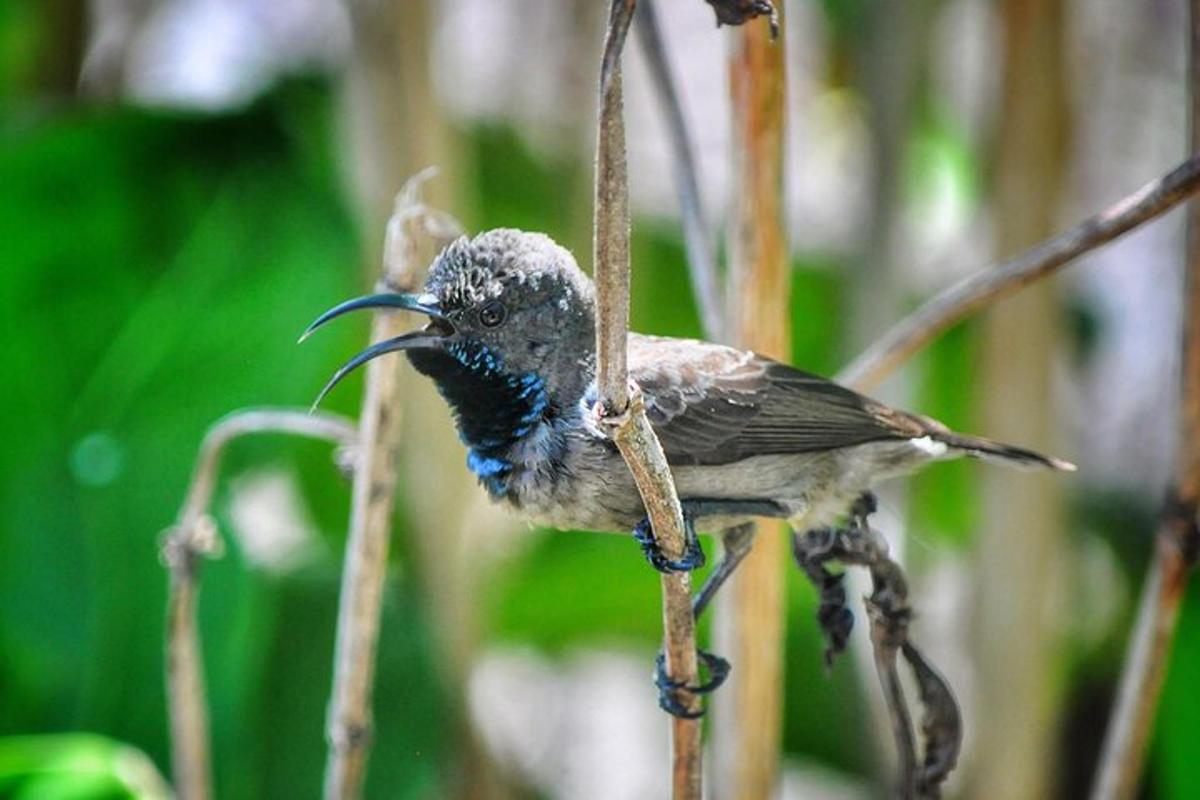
(192, 538)
(365, 567)
(751, 628)
(1177, 540)
(1021, 550)
(620, 413)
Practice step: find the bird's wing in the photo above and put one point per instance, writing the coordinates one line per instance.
(711, 404)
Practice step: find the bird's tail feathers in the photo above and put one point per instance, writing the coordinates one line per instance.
(979, 447)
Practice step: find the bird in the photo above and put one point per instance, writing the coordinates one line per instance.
(510, 344)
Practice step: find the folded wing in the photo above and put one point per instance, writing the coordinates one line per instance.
(712, 405)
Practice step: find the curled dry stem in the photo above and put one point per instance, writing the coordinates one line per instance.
(889, 614)
(184, 545)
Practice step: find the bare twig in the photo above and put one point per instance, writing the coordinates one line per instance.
(192, 538)
(621, 414)
(413, 231)
(697, 239)
(992, 283)
(1177, 540)
(749, 718)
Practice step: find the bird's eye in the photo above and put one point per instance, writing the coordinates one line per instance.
(492, 314)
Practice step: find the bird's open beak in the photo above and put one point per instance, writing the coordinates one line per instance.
(433, 336)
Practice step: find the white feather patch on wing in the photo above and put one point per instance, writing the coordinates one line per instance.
(928, 446)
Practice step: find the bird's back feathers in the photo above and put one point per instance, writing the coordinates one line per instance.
(713, 405)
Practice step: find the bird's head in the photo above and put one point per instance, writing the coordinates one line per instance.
(506, 303)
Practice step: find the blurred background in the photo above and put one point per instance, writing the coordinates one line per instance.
(185, 184)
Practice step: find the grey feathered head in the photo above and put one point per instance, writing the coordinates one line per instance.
(506, 301)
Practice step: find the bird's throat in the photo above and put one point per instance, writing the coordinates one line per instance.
(494, 409)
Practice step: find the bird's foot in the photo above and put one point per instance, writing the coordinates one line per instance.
(669, 689)
(693, 553)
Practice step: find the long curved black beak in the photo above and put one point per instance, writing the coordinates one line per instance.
(424, 303)
(430, 338)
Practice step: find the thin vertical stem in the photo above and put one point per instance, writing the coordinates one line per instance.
(1177, 539)
(610, 240)
(191, 761)
(621, 414)
(365, 568)
(697, 238)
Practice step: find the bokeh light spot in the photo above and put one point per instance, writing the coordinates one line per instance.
(97, 459)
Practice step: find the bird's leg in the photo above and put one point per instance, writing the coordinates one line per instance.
(693, 557)
(736, 545)
(737, 542)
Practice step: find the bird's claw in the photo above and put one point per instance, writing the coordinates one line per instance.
(669, 688)
(693, 554)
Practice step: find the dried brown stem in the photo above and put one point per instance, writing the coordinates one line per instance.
(610, 237)
(1177, 539)
(1123, 756)
(889, 614)
(191, 539)
(412, 231)
(621, 414)
(994, 282)
(702, 262)
(888, 611)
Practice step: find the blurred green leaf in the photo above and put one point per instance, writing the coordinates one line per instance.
(158, 269)
(76, 766)
(1174, 758)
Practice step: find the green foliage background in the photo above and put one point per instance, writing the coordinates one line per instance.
(156, 270)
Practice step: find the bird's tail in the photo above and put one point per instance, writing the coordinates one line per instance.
(979, 447)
